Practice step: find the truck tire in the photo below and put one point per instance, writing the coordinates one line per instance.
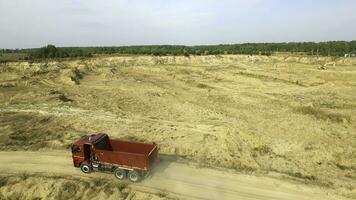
(134, 176)
(85, 168)
(120, 174)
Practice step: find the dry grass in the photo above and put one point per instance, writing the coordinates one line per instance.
(251, 113)
(37, 186)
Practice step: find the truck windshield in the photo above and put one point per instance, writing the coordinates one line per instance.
(75, 149)
(103, 144)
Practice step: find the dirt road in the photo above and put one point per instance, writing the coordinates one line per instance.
(178, 179)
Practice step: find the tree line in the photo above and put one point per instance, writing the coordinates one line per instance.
(331, 48)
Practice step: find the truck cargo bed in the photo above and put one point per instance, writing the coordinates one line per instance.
(126, 154)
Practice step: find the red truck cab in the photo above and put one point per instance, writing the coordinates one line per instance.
(123, 158)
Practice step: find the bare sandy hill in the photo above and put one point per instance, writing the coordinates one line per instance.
(253, 114)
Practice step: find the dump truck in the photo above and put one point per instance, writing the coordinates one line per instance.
(125, 159)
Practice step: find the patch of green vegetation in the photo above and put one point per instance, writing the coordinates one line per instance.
(69, 187)
(29, 130)
(308, 177)
(321, 114)
(24, 176)
(3, 181)
(40, 73)
(98, 182)
(12, 57)
(77, 75)
(203, 86)
(261, 150)
(162, 194)
(69, 190)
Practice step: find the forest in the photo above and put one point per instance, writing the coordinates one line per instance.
(330, 48)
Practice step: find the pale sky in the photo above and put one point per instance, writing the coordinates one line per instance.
(35, 23)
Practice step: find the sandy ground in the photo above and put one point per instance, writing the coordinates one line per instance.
(173, 179)
(250, 114)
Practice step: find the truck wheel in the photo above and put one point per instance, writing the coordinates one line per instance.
(120, 173)
(85, 168)
(134, 176)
